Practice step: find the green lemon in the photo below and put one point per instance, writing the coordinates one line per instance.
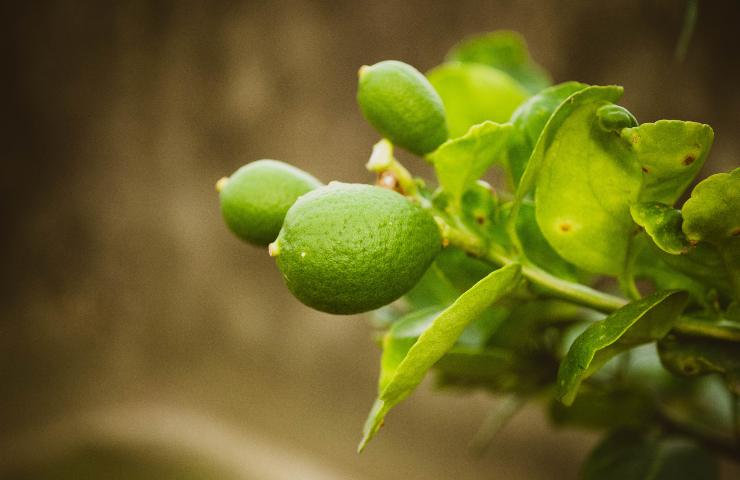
(349, 248)
(402, 105)
(255, 199)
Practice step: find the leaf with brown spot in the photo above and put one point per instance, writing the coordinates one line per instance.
(671, 153)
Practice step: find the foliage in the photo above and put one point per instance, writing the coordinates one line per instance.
(511, 303)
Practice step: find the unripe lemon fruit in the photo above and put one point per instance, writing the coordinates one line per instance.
(349, 248)
(255, 199)
(402, 105)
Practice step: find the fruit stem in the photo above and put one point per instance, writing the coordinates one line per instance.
(382, 161)
(555, 286)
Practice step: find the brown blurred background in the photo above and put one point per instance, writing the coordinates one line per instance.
(138, 337)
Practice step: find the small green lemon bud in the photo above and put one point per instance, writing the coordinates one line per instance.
(255, 199)
(350, 248)
(402, 105)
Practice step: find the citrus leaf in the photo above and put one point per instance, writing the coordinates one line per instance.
(586, 95)
(434, 289)
(670, 154)
(641, 321)
(712, 215)
(505, 50)
(461, 161)
(584, 186)
(400, 338)
(698, 272)
(529, 120)
(436, 340)
(536, 247)
(663, 224)
(628, 454)
(473, 93)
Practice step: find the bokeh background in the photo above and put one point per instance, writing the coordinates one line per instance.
(138, 337)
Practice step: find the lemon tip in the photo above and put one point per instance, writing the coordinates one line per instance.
(273, 249)
(221, 183)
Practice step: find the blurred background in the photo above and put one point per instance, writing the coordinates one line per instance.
(140, 339)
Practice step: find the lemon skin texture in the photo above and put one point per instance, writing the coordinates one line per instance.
(255, 199)
(350, 248)
(402, 105)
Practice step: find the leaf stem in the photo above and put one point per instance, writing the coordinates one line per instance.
(555, 286)
(704, 329)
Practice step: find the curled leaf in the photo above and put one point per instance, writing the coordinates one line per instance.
(663, 224)
(614, 118)
(641, 321)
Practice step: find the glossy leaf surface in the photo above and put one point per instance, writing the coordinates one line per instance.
(639, 322)
(529, 120)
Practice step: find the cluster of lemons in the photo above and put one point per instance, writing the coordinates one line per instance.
(346, 248)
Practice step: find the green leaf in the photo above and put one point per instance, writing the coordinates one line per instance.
(584, 96)
(461, 161)
(663, 224)
(536, 247)
(670, 154)
(473, 93)
(529, 120)
(698, 355)
(712, 215)
(506, 51)
(633, 455)
(434, 289)
(400, 338)
(436, 340)
(587, 169)
(584, 186)
(460, 269)
(690, 272)
(641, 321)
